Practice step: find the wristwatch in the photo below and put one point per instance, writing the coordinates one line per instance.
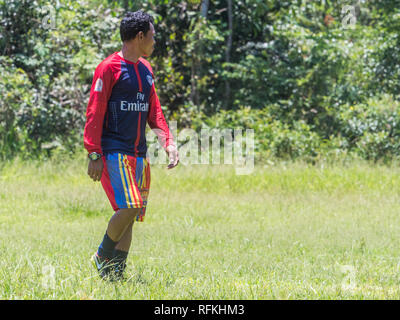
(94, 156)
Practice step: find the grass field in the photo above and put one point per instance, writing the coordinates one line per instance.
(284, 232)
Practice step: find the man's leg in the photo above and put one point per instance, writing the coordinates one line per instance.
(125, 242)
(119, 181)
(121, 252)
(118, 224)
(121, 221)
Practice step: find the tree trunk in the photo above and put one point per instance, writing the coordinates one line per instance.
(204, 8)
(196, 62)
(228, 52)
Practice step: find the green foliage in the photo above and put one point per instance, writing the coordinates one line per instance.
(369, 130)
(372, 128)
(309, 82)
(274, 139)
(47, 69)
(16, 96)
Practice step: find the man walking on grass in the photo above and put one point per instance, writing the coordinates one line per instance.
(122, 100)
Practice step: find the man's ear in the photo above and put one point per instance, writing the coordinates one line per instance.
(141, 35)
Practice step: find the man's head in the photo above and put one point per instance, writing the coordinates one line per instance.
(137, 29)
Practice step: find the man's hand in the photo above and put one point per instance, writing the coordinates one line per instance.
(95, 169)
(173, 156)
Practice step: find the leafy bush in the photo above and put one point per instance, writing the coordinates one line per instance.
(47, 71)
(16, 95)
(291, 70)
(273, 139)
(371, 128)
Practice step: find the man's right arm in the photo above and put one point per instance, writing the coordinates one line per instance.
(103, 81)
(100, 92)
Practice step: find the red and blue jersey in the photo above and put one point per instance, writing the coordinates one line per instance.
(122, 100)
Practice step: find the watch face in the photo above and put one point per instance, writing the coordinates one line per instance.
(94, 156)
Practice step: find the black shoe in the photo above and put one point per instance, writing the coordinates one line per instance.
(103, 266)
(117, 271)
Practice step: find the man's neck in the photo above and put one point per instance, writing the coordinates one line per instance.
(131, 54)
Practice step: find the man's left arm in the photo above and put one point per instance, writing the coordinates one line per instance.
(157, 123)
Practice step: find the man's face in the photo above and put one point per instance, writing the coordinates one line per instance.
(148, 42)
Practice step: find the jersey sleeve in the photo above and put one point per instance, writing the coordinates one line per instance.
(100, 92)
(156, 120)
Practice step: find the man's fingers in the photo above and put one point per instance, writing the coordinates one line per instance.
(90, 172)
(173, 165)
(94, 173)
(173, 161)
(99, 176)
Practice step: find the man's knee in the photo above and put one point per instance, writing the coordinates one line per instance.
(131, 212)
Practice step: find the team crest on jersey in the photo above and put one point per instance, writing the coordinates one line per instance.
(99, 85)
(149, 79)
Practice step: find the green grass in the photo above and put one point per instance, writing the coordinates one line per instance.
(285, 232)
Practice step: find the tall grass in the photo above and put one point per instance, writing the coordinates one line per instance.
(287, 231)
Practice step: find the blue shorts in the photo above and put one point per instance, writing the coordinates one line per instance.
(126, 181)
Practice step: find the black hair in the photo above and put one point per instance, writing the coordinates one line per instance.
(133, 23)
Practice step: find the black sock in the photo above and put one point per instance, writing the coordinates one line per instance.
(106, 248)
(120, 256)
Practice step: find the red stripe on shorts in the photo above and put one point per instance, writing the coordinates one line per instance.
(106, 182)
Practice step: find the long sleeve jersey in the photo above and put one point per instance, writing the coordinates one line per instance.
(122, 99)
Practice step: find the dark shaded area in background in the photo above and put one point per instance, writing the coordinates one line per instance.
(293, 71)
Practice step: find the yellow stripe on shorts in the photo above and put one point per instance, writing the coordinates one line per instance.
(129, 179)
(121, 170)
(132, 187)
